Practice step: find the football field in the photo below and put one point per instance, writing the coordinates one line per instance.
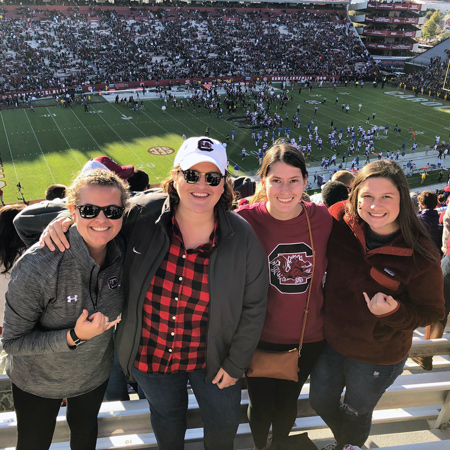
(52, 143)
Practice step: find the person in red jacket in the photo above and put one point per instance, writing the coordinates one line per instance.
(383, 281)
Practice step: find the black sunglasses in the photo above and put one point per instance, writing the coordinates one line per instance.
(212, 178)
(112, 212)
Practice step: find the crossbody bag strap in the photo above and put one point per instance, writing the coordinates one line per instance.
(305, 316)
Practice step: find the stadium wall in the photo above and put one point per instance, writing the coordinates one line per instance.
(148, 84)
(10, 10)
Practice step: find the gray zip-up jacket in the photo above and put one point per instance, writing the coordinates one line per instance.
(46, 295)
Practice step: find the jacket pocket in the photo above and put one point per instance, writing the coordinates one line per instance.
(384, 280)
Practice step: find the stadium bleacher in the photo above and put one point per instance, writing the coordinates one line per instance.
(416, 396)
(48, 47)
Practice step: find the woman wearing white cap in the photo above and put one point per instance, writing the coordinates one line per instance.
(196, 283)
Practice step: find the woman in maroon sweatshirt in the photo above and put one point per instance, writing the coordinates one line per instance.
(279, 217)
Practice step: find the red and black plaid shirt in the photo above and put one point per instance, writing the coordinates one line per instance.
(176, 309)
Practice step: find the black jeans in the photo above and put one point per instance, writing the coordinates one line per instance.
(273, 401)
(36, 419)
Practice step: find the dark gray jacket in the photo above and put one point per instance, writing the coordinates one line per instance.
(238, 283)
(31, 221)
(46, 294)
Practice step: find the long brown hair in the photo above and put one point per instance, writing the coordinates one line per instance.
(227, 197)
(280, 152)
(410, 226)
(11, 246)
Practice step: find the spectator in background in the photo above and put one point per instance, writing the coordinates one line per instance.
(346, 177)
(106, 163)
(333, 192)
(243, 187)
(429, 216)
(436, 330)
(11, 247)
(414, 198)
(139, 181)
(423, 177)
(55, 191)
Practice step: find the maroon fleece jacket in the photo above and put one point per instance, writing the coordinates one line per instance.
(414, 281)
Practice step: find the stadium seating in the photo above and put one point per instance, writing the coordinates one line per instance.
(53, 48)
(413, 396)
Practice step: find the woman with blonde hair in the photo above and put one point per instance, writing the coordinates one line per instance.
(60, 311)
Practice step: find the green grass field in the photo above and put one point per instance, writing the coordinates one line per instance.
(52, 144)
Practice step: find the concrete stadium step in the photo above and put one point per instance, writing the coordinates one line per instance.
(195, 436)
(437, 445)
(414, 396)
(411, 397)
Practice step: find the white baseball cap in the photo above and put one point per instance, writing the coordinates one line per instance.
(196, 150)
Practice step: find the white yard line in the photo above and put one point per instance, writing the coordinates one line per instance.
(125, 143)
(37, 140)
(87, 131)
(64, 137)
(9, 147)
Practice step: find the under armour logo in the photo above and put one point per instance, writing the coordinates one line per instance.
(72, 299)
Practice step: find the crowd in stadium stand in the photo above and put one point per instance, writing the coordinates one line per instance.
(428, 78)
(44, 49)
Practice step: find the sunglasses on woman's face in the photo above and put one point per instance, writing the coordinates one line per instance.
(112, 212)
(193, 176)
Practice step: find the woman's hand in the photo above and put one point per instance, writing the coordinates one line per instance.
(54, 234)
(89, 327)
(380, 303)
(223, 380)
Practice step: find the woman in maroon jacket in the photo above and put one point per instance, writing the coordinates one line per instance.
(383, 281)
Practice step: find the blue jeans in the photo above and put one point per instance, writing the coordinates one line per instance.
(117, 389)
(168, 399)
(350, 420)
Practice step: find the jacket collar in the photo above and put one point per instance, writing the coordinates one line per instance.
(79, 249)
(225, 227)
(396, 247)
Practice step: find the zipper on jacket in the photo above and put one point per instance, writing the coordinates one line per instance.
(94, 303)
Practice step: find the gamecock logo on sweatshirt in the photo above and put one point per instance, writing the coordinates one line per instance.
(291, 267)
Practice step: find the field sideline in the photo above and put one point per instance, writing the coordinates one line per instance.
(51, 144)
